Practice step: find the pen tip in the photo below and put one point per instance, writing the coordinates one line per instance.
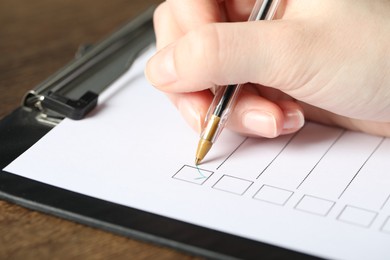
(197, 161)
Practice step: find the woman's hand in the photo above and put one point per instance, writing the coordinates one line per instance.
(327, 60)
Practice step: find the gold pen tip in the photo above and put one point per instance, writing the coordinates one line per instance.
(197, 161)
(203, 148)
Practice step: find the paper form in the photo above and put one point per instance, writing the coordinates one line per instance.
(322, 191)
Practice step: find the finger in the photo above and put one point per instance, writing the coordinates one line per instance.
(256, 116)
(238, 10)
(192, 106)
(294, 118)
(253, 115)
(272, 55)
(166, 28)
(194, 13)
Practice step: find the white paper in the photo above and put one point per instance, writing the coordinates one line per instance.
(323, 191)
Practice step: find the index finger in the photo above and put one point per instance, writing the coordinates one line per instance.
(191, 14)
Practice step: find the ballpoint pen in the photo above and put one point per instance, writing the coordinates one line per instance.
(225, 97)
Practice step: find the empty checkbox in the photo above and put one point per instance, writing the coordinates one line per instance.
(232, 185)
(315, 205)
(273, 195)
(386, 226)
(357, 216)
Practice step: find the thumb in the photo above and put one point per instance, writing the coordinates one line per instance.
(263, 52)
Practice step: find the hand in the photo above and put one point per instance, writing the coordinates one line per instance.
(327, 60)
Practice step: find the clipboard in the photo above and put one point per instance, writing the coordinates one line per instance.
(72, 92)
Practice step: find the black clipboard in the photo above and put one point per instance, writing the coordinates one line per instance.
(73, 92)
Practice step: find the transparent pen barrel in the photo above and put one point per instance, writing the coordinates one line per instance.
(219, 111)
(264, 10)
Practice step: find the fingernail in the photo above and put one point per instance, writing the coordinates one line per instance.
(260, 123)
(191, 114)
(293, 121)
(160, 69)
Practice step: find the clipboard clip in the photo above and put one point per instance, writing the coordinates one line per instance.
(73, 91)
(72, 108)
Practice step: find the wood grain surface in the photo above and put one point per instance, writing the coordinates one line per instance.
(37, 38)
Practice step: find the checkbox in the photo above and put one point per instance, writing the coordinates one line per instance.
(192, 174)
(314, 205)
(273, 195)
(357, 216)
(233, 185)
(386, 226)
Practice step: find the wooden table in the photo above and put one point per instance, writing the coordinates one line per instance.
(37, 38)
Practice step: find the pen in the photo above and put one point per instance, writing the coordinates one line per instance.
(225, 97)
